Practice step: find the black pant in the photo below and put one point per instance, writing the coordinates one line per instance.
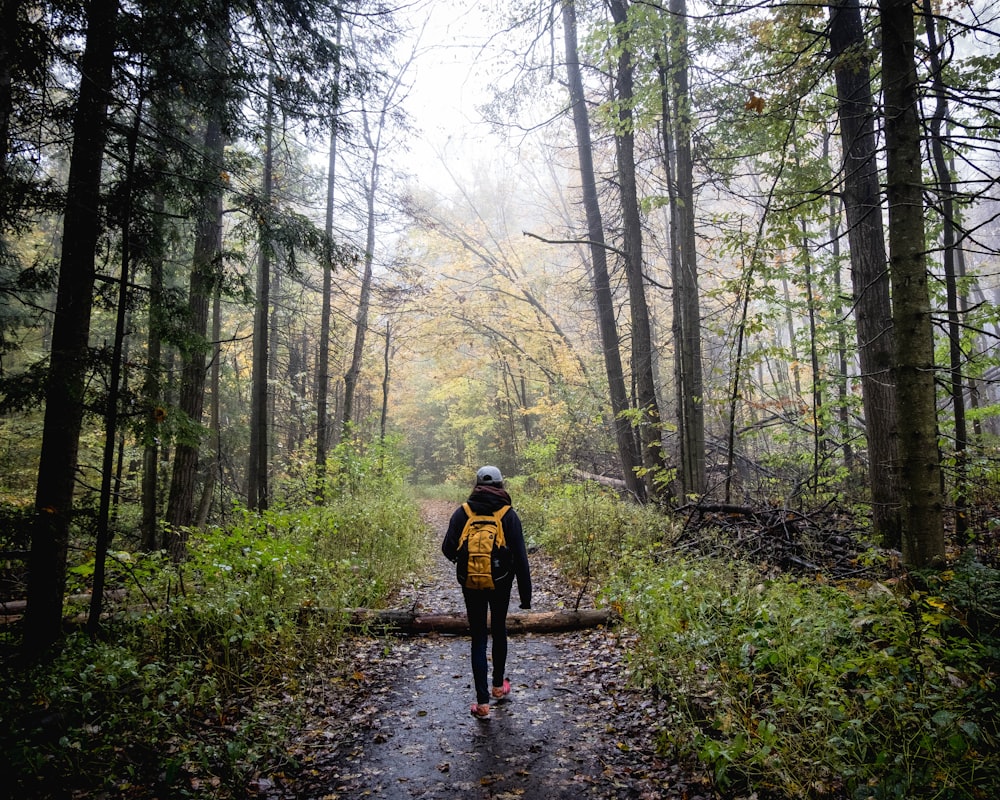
(477, 603)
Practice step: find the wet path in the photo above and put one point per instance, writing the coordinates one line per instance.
(533, 746)
(570, 728)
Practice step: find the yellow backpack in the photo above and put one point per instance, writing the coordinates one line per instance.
(483, 556)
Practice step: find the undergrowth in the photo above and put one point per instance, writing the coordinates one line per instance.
(173, 696)
(793, 687)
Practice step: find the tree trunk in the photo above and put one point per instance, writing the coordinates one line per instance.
(257, 491)
(649, 422)
(152, 395)
(152, 390)
(213, 476)
(10, 17)
(683, 252)
(603, 298)
(323, 379)
(103, 536)
(807, 249)
(364, 301)
(946, 192)
(204, 275)
(384, 416)
(923, 533)
(64, 390)
(843, 412)
(869, 278)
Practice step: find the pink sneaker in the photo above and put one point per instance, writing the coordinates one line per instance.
(500, 692)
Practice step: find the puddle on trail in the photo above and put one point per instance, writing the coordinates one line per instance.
(538, 744)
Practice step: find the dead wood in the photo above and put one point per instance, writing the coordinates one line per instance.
(411, 622)
(604, 480)
(806, 542)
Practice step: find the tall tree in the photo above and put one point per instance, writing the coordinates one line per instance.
(364, 299)
(870, 280)
(257, 469)
(920, 467)
(945, 190)
(116, 385)
(603, 298)
(375, 128)
(679, 167)
(323, 377)
(69, 358)
(649, 421)
(151, 392)
(204, 275)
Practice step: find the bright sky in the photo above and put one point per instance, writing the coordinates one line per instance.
(449, 79)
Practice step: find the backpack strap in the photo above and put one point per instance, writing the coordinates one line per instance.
(498, 516)
(465, 530)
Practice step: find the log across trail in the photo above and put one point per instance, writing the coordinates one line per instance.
(571, 728)
(412, 622)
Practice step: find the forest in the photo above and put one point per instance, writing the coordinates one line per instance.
(716, 284)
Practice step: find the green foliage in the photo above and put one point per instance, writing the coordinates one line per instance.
(590, 532)
(808, 690)
(351, 470)
(170, 698)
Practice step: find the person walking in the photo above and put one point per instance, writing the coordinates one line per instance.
(487, 498)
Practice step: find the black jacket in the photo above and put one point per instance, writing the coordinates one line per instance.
(487, 500)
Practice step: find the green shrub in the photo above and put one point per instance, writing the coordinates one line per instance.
(808, 690)
(169, 698)
(589, 531)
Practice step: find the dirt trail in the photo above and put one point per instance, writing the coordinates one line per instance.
(570, 728)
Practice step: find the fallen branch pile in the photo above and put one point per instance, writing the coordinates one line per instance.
(793, 541)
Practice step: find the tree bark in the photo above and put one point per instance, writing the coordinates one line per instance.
(115, 388)
(843, 411)
(68, 359)
(152, 394)
(870, 280)
(364, 302)
(323, 378)
(364, 299)
(384, 415)
(257, 490)
(683, 253)
(923, 533)
(603, 298)
(11, 17)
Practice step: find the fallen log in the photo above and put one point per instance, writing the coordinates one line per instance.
(14, 608)
(411, 622)
(604, 480)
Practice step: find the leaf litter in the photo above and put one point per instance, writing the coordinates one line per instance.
(395, 722)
